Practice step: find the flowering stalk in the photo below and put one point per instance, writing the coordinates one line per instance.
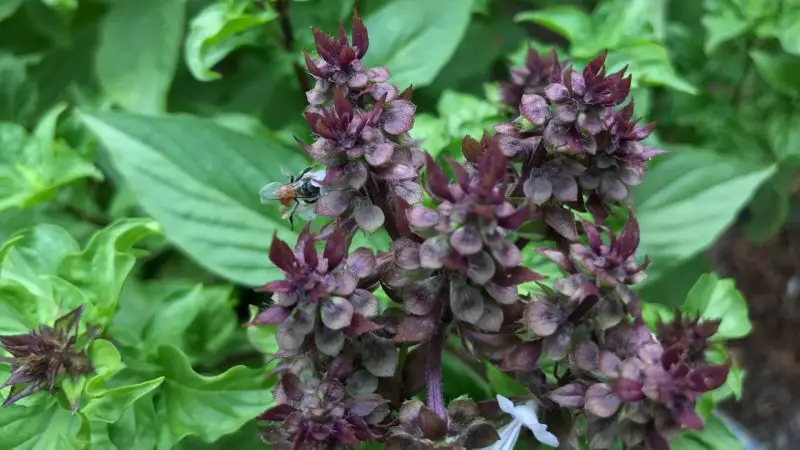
(455, 263)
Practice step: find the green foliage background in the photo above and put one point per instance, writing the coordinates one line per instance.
(135, 135)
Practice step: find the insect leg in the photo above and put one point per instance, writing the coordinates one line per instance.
(291, 214)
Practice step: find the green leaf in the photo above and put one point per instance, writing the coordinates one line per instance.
(18, 310)
(789, 29)
(106, 361)
(568, 21)
(209, 407)
(219, 29)
(138, 427)
(432, 132)
(138, 52)
(779, 71)
(689, 199)
(784, 133)
(649, 63)
(262, 338)
(503, 384)
(714, 436)
(722, 25)
(464, 114)
(102, 267)
(714, 298)
(41, 426)
(414, 38)
(654, 313)
(8, 8)
(462, 378)
(32, 169)
(201, 182)
(734, 383)
(769, 209)
(17, 95)
(111, 405)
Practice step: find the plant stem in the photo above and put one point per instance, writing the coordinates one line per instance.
(282, 8)
(433, 374)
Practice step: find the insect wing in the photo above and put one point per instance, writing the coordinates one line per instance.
(305, 211)
(270, 192)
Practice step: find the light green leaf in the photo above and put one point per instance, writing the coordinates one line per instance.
(654, 313)
(17, 95)
(209, 407)
(718, 299)
(416, 38)
(219, 29)
(32, 169)
(779, 71)
(789, 29)
(568, 21)
(138, 52)
(62, 5)
(105, 358)
(8, 8)
(649, 63)
(431, 131)
(714, 436)
(137, 428)
(262, 338)
(42, 426)
(102, 267)
(464, 114)
(688, 199)
(201, 182)
(18, 310)
(721, 26)
(110, 405)
(734, 383)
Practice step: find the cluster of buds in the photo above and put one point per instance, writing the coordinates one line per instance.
(637, 388)
(531, 78)
(360, 124)
(40, 357)
(577, 149)
(349, 368)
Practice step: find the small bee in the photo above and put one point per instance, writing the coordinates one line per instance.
(305, 187)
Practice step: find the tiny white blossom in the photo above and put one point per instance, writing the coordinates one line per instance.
(522, 415)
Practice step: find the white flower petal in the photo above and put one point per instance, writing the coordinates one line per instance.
(545, 437)
(509, 435)
(527, 415)
(506, 405)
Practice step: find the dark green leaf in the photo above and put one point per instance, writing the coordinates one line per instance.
(138, 52)
(201, 182)
(723, 25)
(415, 39)
(779, 71)
(769, 209)
(17, 94)
(8, 8)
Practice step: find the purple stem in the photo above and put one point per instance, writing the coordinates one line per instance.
(433, 375)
